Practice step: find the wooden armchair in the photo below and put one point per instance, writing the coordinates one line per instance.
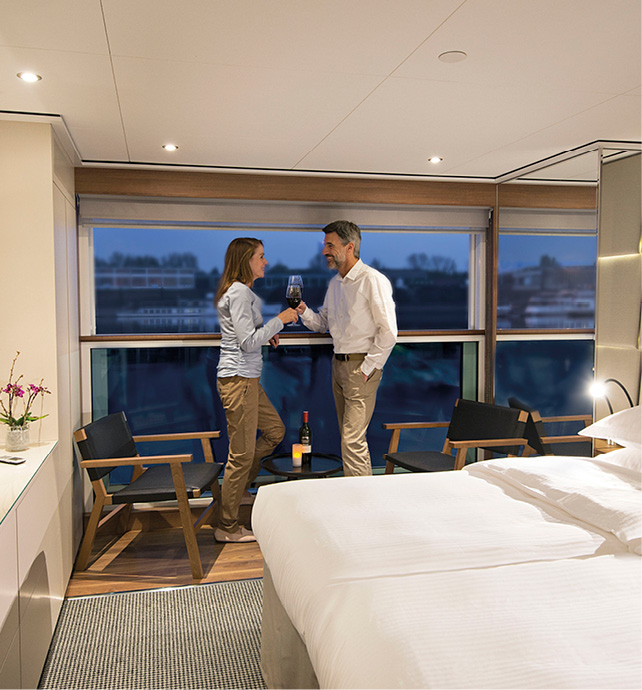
(108, 443)
(539, 438)
(472, 425)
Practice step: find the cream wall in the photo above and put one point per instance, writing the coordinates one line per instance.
(38, 280)
(39, 273)
(28, 307)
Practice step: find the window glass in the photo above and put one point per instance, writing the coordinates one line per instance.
(174, 389)
(550, 376)
(164, 281)
(546, 281)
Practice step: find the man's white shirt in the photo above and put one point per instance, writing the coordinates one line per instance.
(359, 313)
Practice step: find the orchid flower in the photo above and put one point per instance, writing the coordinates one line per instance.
(9, 415)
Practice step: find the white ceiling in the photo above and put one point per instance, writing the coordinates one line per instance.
(341, 86)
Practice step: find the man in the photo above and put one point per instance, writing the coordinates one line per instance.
(359, 313)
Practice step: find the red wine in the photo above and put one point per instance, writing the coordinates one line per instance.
(293, 302)
(305, 439)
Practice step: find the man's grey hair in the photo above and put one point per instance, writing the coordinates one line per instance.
(347, 232)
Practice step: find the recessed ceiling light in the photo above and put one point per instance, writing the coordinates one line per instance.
(170, 147)
(435, 159)
(29, 76)
(453, 56)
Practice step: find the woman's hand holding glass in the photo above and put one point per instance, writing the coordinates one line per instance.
(289, 315)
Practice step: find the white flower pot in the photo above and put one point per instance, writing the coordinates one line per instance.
(18, 438)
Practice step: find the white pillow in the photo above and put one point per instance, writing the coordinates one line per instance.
(625, 428)
(624, 457)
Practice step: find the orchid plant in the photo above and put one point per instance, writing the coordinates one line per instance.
(12, 412)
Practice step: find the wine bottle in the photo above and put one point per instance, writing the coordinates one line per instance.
(305, 439)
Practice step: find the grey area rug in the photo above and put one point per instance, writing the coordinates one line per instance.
(201, 636)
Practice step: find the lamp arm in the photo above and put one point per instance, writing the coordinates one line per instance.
(628, 397)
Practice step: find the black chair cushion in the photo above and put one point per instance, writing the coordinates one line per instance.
(519, 404)
(533, 431)
(156, 484)
(422, 460)
(580, 449)
(476, 420)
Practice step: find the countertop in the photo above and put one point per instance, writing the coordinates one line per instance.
(14, 479)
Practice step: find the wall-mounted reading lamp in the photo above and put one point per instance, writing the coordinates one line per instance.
(598, 390)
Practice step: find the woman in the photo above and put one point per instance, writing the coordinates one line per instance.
(246, 405)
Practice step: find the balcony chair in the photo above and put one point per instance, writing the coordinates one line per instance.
(108, 443)
(472, 425)
(542, 442)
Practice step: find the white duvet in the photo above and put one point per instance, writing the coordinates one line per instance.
(512, 573)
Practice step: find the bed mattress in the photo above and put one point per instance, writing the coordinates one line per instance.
(512, 573)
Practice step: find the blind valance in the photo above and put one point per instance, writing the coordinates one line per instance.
(530, 220)
(102, 211)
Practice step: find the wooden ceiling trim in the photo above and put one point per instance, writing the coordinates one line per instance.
(547, 196)
(202, 185)
(261, 187)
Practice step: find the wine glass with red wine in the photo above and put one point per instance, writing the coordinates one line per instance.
(294, 292)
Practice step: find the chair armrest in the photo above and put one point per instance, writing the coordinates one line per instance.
(570, 418)
(137, 460)
(183, 436)
(397, 427)
(565, 439)
(203, 436)
(462, 446)
(414, 425)
(486, 442)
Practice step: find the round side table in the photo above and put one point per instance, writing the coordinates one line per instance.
(321, 465)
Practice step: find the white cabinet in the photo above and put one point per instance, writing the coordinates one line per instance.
(37, 547)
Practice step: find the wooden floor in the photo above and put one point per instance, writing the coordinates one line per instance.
(153, 555)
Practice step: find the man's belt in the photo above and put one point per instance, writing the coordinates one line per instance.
(353, 356)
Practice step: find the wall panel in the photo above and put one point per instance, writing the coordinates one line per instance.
(619, 278)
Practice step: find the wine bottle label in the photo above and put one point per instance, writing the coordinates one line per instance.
(306, 448)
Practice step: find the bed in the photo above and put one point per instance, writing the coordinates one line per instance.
(517, 572)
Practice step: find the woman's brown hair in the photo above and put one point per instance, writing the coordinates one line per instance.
(237, 264)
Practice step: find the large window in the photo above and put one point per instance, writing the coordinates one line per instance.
(153, 280)
(152, 267)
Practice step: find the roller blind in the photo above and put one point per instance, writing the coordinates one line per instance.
(101, 211)
(516, 220)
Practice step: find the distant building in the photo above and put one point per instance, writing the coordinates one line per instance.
(129, 277)
(547, 296)
(540, 277)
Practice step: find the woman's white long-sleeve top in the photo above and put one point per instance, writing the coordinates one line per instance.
(243, 332)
